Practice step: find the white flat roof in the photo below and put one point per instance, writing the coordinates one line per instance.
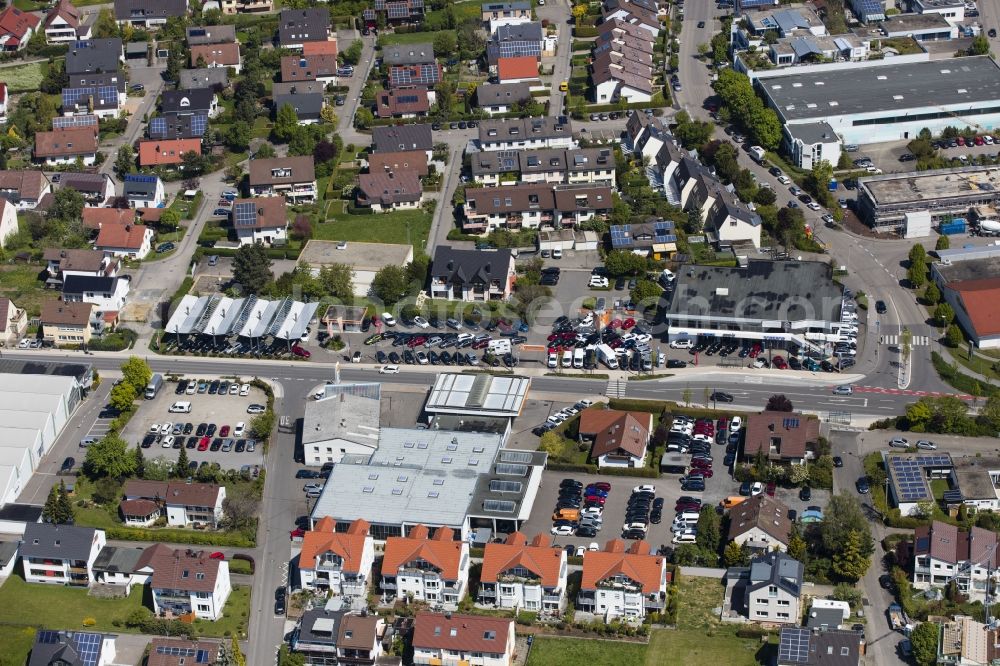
(24, 438)
(38, 402)
(43, 384)
(482, 394)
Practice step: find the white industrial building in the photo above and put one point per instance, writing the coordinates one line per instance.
(478, 395)
(890, 102)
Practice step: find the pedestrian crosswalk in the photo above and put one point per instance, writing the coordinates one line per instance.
(916, 340)
(616, 388)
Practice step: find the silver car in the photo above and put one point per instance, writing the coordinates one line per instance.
(843, 390)
(926, 445)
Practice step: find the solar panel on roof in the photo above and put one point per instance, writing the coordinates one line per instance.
(47, 637)
(65, 122)
(794, 646)
(397, 10)
(88, 646)
(199, 123)
(140, 178)
(869, 8)
(244, 214)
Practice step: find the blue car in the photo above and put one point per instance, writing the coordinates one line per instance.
(221, 212)
(595, 492)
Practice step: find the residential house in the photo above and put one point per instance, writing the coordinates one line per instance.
(623, 583)
(761, 523)
(291, 177)
(87, 263)
(217, 55)
(166, 152)
(95, 56)
(294, 88)
(107, 293)
(130, 241)
(231, 7)
(321, 68)
(470, 639)
(215, 79)
(94, 219)
(144, 191)
(515, 40)
(66, 324)
(397, 138)
(66, 146)
(781, 436)
(8, 221)
(433, 569)
(9, 554)
(200, 35)
(60, 554)
(618, 438)
(553, 165)
(339, 563)
(521, 69)
(143, 14)
(402, 103)
(325, 637)
(522, 575)
(179, 651)
(13, 322)
(98, 189)
(63, 24)
(641, 13)
(801, 646)
(622, 59)
(179, 126)
(198, 101)
(308, 106)
(408, 54)
(943, 553)
(767, 591)
(260, 220)
(501, 97)
(498, 13)
(411, 160)
(298, 26)
(386, 191)
(16, 28)
(729, 221)
(656, 238)
(123, 567)
(471, 275)
(185, 503)
(515, 133)
(655, 136)
(811, 144)
(189, 582)
(828, 614)
(140, 512)
(24, 189)
(72, 648)
(101, 94)
(534, 206)
(329, 47)
(424, 76)
(396, 12)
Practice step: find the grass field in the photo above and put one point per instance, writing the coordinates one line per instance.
(15, 644)
(579, 651)
(412, 37)
(21, 284)
(405, 226)
(24, 78)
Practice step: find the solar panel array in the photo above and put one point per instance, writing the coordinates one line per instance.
(747, 4)
(623, 235)
(868, 8)
(72, 96)
(88, 646)
(909, 477)
(410, 75)
(140, 178)
(67, 122)
(47, 637)
(407, 99)
(178, 127)
(517, 49)
(201, 656)
(245, 214)
(397, 10)
(794, 646)
(790, 422)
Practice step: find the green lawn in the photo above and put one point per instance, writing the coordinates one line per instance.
(578, 651)
(24, 78)
(667, 647)
(405, 226)
(413, 37)
(234, 615)
(15, 644)
(21, 284)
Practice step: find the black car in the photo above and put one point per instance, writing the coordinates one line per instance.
(729, 459)
(620, 284)
(805, 494)
(213, 388)
(701, 24)
(721, 396)
(862, 485)
(907, 157)
(304, 474)
(885, 581)
(586, 532)
(794, 363)
(880, 307)
(380, 357)
(675, 363)
(181, 387)
(656, 517)
(774, 171)
(279, 601)
(693, 486)
(202, 427)
(210, 432)
(394, 358)
(148, 441)
(570, 483)
(838, 461)
(745, 488)
(67, 464)
(216, 444)
(188, 428)
(827, 366)
(992, 33)
(191, 443)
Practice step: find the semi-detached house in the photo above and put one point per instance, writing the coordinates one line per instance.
(520, 133)
(185, 503)
(433, 569)
(291, 177)
(63, 24)
(67, 324)
(534, 206)
(66, 146)
(385, 191)
(618, 438)
(24, 189)
(60, 554)
(943, 552)
(128, 241)
(522, 575)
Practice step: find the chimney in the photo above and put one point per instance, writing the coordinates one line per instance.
(128, 227)
(392, 176)
(451, 265)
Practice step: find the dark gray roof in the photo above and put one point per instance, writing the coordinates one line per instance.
(66, 648)
(114, 78)
(470, 266)
(799, 645)
(211, 34)
(307, 106)
(144, 10)
(136, 49)
(283, 88)
(77, 284)
(118, 560)
(810, 133)
(8, 551)
(325, 633)
(95, 55)
(144, 185)
(518, 32)
(503, 93)
(779, 569)
(178, 126)
(830, 618)
(408, 54)
(57, 541)
(207, 77)
(186, 101)
(524, 129)
(84, 182)
(773, 290)
(402, 137)
(303, 25)
(81, 372)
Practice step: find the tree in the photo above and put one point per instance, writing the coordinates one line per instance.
(109, 457)
(265, 151)
(301, 228)
(990, 411)
(943, 243)
(170, 220)
(140, 463)
(416, 271)
(286, 124)
(797, 546)
(181, 469)
(238, 136)
(252, 268)
(980, 46)
(691, 133)
(918, 415)
(262, 424)
(687, 554)
(445, 43)
(932, 295)
(65, 504)
(137, 373)
(686, 395)
(944, 314)
(778, 403)
(389, 284)
(337, 280)
(954, 336)
(798, 474)
(240, 508)
(736, 555)
(125, 162)
(847, 592)
(765, 196)
(844, 515)
(646, 293)
(905, 344)
(579, 11)
(193, 163)
(288, 658)
(352, 56)
(917, 254)
(67, 205)
(849, 562)
(363, 118)
(551, 443)
(622, 262)
(58, 509)
(709, 530)
(924, 642)
(122, 396)
(106, 25)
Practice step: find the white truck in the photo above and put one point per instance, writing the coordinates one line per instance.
(757, 153)
(607, 356)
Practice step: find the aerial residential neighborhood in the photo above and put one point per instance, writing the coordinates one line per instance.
(388, 332)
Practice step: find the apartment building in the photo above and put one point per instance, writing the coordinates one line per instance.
(462, 639)
(556, 165)
(533, 206)
(524, 575)
(291, 177)
(623, 583)
(67, 324)
(189, 582)
(769, 590)
(337, 562)
(943, 552)
(185, 503)
(434, 569)
(60, 554)
(522, 133)
(471, 275)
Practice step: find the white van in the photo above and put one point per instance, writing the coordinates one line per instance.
(501, 346)
(687, 517)
(578, 358)
(567, 359)
(182, 407)
(684, 537)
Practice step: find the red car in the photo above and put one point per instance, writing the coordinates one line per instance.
(628, 323)
(603, 485)
(979, 140)
(960, 140)
(704, 471)
(595, 499)
(722, 423)
(700, 462)
(203, 443)
(779, 362)
(299, 351)
(297, 533)
(615, 323)
(554, 337)
(770, 488)
(217, 555)
(224, 431)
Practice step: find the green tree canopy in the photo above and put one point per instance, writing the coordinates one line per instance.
(736, 555)
(58, 508)
(252, 268)
(943, 243)
(122, 396)
(944, 314)
(390, 284)
(109, 457)
(337, 280)
(286, 124)
(125, 162)
(924, 642)
(623, 262)
(709, 530)
(932, 294)
(137, 373)
(844, 515)
(954, 336)
(849, 562)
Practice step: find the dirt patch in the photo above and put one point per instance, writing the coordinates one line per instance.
(208, 284)
(859, 228)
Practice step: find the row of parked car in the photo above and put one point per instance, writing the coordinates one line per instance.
(579, 510)
(211, 387)
(560, 417)
(206, 344)
(643, 508)
(186, 435)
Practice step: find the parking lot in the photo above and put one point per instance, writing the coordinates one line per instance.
(221, 410)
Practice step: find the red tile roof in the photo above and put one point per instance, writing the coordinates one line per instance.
(462, 633)
(979, 298)
(15, 22)
(167, 151)
(400, 102)
(179, 571)
(408, 160)
(441, 551)
(523, 67)
(96, 218)
(216, 54)
(140, 508)
(540, 558)
(308, 68)
(328, 47)
(67, 11)
(129, 236)
(636, 563)
(271, 213)
(789, 431)
(59, 313)
(349, 546)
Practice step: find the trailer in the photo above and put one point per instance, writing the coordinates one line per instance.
(898, 619)
(757, 153)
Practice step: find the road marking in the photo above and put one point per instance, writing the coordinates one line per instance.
(753, 380)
